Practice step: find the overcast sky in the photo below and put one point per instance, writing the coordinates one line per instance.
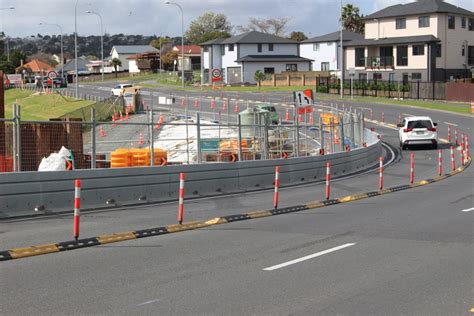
(148, 17)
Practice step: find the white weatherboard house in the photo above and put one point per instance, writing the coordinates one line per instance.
(239, 57)
(122, 52)
(427, 40)
(324, 50)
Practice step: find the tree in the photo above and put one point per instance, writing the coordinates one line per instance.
(168, 59)
(207, 27)
(298, 36)
(352, 20)
(156, 42)
(270, 26)
(116, 63)
(46, 58)
(259, 77)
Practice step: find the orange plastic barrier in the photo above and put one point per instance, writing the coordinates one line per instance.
(136, 157)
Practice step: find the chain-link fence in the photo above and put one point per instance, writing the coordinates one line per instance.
(177, 130)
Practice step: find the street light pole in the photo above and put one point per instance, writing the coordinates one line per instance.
(182, 40)
(341, 54)
(6, 37)
(101, 40)
(62, 52)
(75, 50)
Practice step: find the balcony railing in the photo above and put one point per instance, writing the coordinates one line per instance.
(379, 62)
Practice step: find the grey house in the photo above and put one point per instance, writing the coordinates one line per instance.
(239, 57)
(122, 52)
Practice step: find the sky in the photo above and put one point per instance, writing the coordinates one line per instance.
(153, 17)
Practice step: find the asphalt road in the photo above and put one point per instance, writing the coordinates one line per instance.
(409, 252)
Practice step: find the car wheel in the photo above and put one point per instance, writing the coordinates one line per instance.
(404, 147)
(435, 145)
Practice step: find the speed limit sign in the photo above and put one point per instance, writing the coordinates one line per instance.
(52, 74)
(216, 73)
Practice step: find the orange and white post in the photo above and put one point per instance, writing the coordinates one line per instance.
(328, 179)
(77, 208)
(449, 134)
(440, 162)
(468, 154)
(412, 168)
(453, 163)
(456, 140)
(277, 185)
(181, 198)
(381, 173)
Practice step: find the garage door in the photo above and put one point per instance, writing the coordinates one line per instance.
(234, 75)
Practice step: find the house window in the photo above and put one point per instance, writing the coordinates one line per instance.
(377, 76)
(402, 55)
(463, 51)
(470, 55)
(463, 22)
(316, 47)
(360, 57)
(391, 77)
(451, 22)
(416, 76)
(424, 21)
(269, 70)
(270, 47)
(418, 50)
(362, 77)
(291, 67)
(231, 47)
(438, 50)
(470, 25)
(259, 48)
(401, 23)
(325, 66)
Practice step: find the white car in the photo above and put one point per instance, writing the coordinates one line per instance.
(119, 89)
(418, 130)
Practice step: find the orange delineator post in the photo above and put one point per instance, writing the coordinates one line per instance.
(328, 179)
(181, 198)
(77, 208)
(449, 134)
(453, 163)
(412, 168)
(196, 103)
(277, 185)
(380, 173)
(236, 106)
(440, 162)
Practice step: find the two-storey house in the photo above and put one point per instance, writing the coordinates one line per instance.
(325, 49)
(427, 40)
(239, 57)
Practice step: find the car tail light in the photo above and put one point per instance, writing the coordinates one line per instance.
(432, 129)
(406, 130)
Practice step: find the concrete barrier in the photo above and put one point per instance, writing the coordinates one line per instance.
(51, 192)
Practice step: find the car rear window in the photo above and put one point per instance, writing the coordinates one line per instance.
(127, 85)
(420, 124)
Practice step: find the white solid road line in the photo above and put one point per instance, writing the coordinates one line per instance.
(314, 255)
(468, 210)
(147, 302)
(452, 124)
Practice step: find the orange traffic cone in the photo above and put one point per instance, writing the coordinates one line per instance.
(162, 118)
(224, 105)
(311, 119)
(113, 121)
(126, 114)
(102, 133)
(287, 115)
(140, 140)
(300, 118)
(121, 117)
(196, 103)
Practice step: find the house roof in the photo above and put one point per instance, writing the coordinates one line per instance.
(334, 37)
(213, 42)
(38, 66)
(133, 49)
(188, 49)
(394, 40)
(418, 7)
(82, 63)
(254, 37)
(272, 58)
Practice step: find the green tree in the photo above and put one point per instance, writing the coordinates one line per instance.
(352, 20)
(259, 77)
(116, 63)
(274, 26)
(156, 42)
(168, 59)
(298, 36)
(207, 27)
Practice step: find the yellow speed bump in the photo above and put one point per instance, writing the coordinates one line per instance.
(106, 239)
(216, 221)
(258, 214)
(186, 226)
(33, 251)
(315, 205)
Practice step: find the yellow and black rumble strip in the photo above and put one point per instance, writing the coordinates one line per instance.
(106, 239)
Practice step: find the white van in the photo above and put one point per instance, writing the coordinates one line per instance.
(118, 89)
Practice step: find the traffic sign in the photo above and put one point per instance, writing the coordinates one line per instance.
(303, 98)
(216, 73)
(52, 74)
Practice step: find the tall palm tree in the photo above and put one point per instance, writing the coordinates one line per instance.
(352, 20)
(116, 63)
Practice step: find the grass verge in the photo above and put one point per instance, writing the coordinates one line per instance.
(40, 107)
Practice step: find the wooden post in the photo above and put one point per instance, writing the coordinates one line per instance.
(2, 115)
(288, 79)
(274, 80)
